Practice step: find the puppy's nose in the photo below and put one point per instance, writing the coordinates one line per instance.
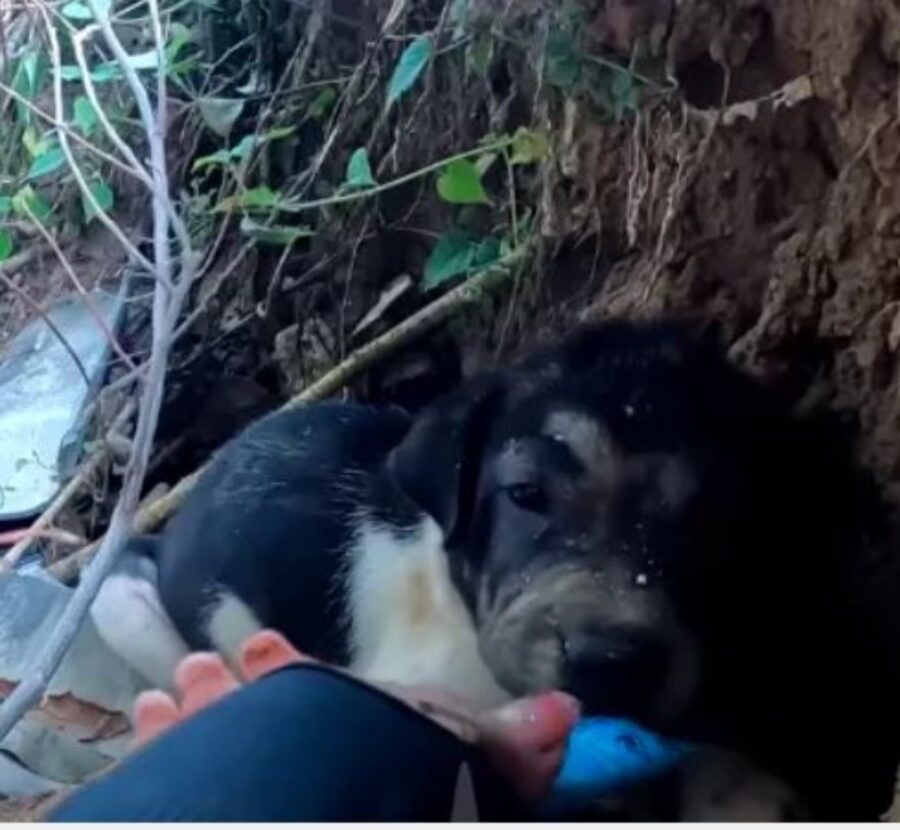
(618, 673)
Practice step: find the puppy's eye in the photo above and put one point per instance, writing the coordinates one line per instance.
(528, 496)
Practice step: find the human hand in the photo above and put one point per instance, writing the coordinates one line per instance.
(526, 738)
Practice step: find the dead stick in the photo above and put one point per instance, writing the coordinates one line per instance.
(151, 516)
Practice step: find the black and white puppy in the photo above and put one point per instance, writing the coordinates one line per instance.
(625, 516)
(297, 525)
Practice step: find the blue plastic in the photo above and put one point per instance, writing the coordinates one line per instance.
(605, 755)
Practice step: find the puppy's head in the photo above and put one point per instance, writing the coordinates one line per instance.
(598, 502)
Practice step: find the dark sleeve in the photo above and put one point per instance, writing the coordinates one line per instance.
(303, 744)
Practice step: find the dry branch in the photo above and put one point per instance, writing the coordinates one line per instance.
(168, 298)
(423, 321)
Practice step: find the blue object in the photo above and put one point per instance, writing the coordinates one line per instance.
(605, 755)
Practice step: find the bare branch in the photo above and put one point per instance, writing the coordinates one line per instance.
(168, 297)
(23, 295)
(63, 137)
(82, 291)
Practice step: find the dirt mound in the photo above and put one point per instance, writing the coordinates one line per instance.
(769, 199)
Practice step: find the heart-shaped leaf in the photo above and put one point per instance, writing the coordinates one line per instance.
(219, 114)
(27, 202)
(458, 253)
(46, 163)
(104, 196)
(359, 170)
(460, 184)
(83, 115)
(529, 147)
(413, 60)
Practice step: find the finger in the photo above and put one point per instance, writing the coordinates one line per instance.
(202, 679)
(268, 651)
(527, 739)
(444, 708)
(154, 713)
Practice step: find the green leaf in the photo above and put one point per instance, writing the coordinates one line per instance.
(529, 146)
(219, 114)
(321, 105)
(83, 115)
(413, 60)
(46, 163)
(274, 234)
(6, 244)
(458, 253)
(625, 93)
(104, 195)
(563, 67)
(27, 202)
(103, 73)
(480, 53)
(244, 147)
(239, 152)
(359, 170)
(220, 157)
(6, 204)
(257, 198)
(179, 37)
(460, 184)
(278, 132)
(27, 82)
(76, 10)
(459, 17)
(34, 143)
(144, 60)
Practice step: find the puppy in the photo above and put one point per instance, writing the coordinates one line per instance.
(630, 518)
(624, 516)
(297, 525)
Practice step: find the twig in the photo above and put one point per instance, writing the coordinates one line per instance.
(168, 297)
(82, 291)
(37, 309)
(470, 292)
(61, 125)
(63, 138)
(356, 195)
(23, 258)
(82, 475)
(53, 534)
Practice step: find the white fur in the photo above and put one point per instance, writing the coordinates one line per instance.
(131, 620)
(230, 622)
(409, 625)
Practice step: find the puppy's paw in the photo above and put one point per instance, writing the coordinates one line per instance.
(723, 787)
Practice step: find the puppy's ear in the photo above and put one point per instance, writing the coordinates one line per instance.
(439, 461)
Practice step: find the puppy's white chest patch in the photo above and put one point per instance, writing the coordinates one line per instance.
(409, 623)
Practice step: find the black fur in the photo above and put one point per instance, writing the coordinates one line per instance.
(755, 557)
(272, 517)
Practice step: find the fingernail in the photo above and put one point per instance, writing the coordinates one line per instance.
(551, 705)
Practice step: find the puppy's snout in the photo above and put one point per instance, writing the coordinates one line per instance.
(618, 672)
